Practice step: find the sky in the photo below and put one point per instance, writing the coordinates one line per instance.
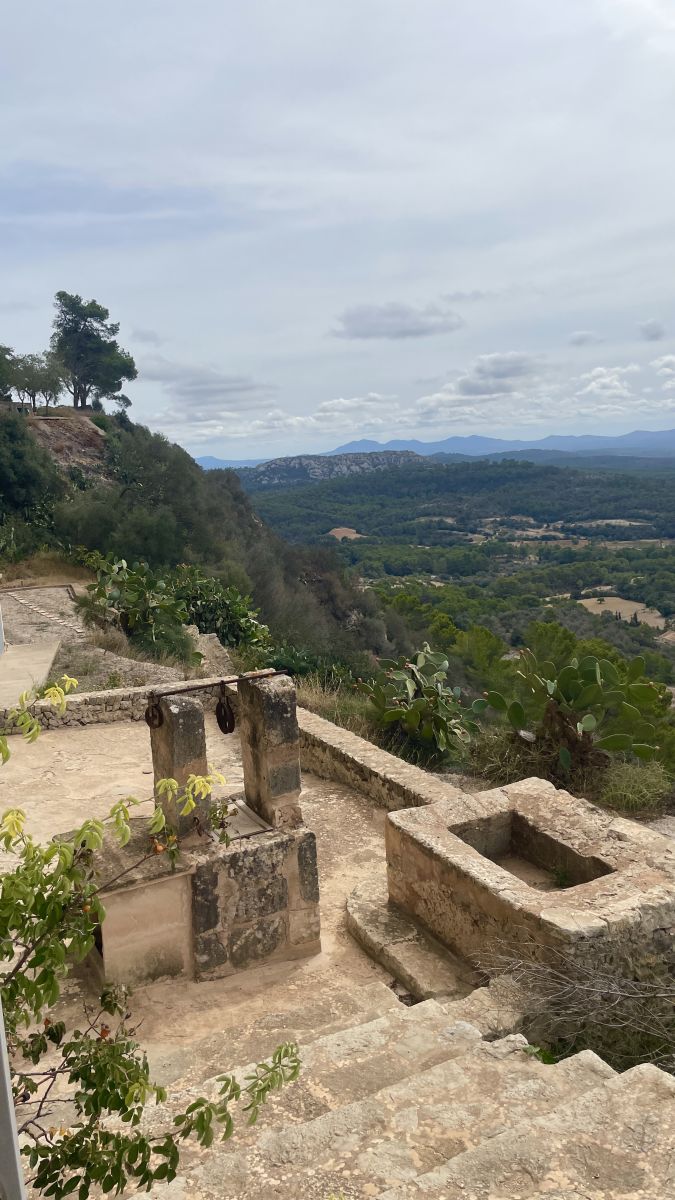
(323, 220)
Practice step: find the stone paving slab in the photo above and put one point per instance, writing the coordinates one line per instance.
(24, 667)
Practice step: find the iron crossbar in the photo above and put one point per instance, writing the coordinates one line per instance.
(187, 686)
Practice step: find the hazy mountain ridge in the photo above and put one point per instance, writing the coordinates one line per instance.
(659, 442)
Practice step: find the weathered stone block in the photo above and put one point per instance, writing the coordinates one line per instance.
(178, 751)
(270, 750)
(256, 942)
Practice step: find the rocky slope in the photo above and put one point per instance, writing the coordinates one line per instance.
(71, 439)
(310, 468)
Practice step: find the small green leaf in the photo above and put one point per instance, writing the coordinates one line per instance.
(565, 758)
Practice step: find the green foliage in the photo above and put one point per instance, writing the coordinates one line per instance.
(414, 695)
(576, 714)
(138, 600)
(6, 372)
(214, 608)
(152, 607)
(85, 346)
(50, 909)
(28, 479)
(102, 421)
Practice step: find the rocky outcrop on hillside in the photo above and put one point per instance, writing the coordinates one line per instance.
(72, 441)
(309, 468)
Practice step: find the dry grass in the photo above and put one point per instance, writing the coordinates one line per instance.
(45, 569)
(343, 706)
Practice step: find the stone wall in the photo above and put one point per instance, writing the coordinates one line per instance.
(117, 704)
(387, 781)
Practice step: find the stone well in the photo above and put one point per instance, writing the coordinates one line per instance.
(223, 908)
(533, 868)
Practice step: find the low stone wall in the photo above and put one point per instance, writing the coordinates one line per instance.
(117, 704)
(389, 782)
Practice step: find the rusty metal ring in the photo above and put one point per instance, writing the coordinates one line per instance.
(225, 714)
(153, 714)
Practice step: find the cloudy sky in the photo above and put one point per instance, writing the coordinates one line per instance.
(327, 219)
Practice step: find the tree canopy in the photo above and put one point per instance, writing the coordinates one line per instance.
(84, 342)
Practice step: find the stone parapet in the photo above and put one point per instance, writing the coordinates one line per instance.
(114, 704)
(388, 782)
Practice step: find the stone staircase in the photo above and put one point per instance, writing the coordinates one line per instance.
(410, 1102)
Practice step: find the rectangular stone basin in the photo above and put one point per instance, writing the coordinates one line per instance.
(536, 870)
(517, 845)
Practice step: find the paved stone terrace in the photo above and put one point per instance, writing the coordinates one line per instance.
(70, 774)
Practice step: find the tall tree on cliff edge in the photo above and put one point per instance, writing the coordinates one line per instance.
(85, 343)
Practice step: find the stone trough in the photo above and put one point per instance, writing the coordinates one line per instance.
(531, 867)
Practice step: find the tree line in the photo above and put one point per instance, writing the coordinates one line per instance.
(84, 360)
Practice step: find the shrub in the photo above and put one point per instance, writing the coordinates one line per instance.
(215, 608)
(152, 607)
(102, 420)
(635, 787)
(577, 715)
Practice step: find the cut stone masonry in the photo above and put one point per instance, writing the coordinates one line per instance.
(224, 907)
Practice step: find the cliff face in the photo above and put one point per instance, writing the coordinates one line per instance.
(309, 468)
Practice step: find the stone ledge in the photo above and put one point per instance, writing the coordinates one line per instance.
(417, 961)
(331, 752)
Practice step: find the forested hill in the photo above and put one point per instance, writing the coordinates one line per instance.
(151, 501)
(394, 504)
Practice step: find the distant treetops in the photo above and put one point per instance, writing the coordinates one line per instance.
(84, 359)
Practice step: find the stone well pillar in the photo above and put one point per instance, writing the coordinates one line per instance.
(178, 750)
(270, 746)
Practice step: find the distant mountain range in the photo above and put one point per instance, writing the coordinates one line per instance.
(646, 442)
(643, 444)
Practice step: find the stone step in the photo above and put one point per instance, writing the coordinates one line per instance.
(401, 1131)
(350, 1064)
(417, 961)
(617, 1140)
(181, 1068)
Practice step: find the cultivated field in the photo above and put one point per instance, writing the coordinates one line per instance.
(625, 608)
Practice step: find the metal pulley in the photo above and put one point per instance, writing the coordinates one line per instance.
(153, 713)
(225, 713)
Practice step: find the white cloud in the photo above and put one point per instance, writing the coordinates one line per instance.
(396, 321)
(608, 382)
(665, 369)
